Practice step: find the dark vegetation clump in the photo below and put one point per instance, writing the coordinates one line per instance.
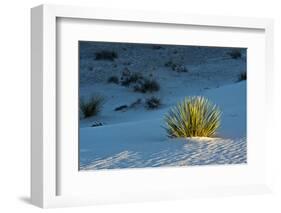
(113, 79)
(92, 106)
(169, 64)
(135, 77)
(121, 108)
(128, 78)
(153, 102)
(106, 55)
(96, 124)
(147, 85)
(235, 54)
(138, 82)
(242, 76)
(176, 67)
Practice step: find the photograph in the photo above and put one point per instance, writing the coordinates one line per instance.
(161, 105)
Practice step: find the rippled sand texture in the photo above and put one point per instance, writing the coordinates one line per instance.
(187, 153)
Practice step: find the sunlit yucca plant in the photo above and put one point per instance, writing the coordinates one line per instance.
(193, 117)
(92, 106)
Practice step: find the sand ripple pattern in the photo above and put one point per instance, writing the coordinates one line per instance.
(184, 153)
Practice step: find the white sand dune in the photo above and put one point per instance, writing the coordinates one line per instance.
(145, 144)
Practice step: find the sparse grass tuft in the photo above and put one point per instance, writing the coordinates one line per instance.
(235, 54)
(106, 55)
(92, 106)
(242, 76)
(113, 79)
(152, 102)
(193, 117)
(147, 85)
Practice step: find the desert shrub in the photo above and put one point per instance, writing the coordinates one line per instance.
(176, 67)
(242, 76)
(92, 106)
(96, 124)
(152, 102)
(147, 85)
(235, 54)
(113, 79)
(106, 55)
(180, 68)
(131, 78)
(126, 73)
(193, 117)
(121, 108)
(135, 77)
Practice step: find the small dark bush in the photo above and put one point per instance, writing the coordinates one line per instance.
(180, 68)
(147, 85)
(153, 102)
(92, 106)
(125, 77)
(242, 76)
(113, 79)
(135, 77)
(96, 124)
(121, 108)
(106, 55)
(126, 72)
(176, 67)
(131, 78)
(235, 54)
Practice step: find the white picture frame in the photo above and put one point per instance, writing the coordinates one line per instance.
(45, 153)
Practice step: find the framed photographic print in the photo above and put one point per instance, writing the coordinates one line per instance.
(130, 106)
